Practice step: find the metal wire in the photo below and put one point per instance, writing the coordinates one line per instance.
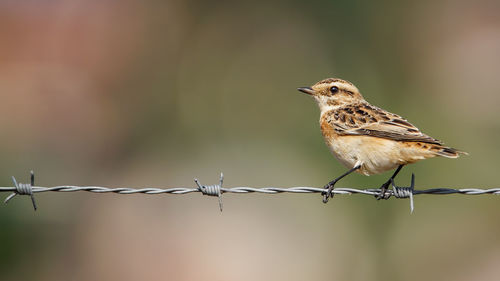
(218, 190)
(247, 189)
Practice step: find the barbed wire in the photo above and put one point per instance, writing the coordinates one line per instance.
(218, 190)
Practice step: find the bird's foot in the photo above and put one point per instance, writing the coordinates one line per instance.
(329, 190)
(329, 187)
(383, 191)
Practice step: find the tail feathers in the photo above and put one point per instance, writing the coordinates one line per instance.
(450, 152)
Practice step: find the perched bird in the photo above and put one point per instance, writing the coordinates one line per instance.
(368, 139)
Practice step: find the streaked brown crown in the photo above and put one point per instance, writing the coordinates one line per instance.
(331, 80)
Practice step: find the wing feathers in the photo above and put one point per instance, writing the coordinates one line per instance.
(394, 136)
(368, 120)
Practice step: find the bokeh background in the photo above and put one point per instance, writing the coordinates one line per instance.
(155, 93)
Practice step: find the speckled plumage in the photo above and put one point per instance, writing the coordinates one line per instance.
(361, 134)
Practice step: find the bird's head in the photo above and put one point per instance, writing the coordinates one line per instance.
(333, 92)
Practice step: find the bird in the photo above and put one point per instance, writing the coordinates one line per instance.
(367, 139)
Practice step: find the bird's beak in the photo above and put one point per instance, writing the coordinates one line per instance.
(306, 90)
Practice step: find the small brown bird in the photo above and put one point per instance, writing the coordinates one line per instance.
(368, 139)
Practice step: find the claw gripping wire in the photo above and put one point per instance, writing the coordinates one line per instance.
(23, 189)
(212, 190)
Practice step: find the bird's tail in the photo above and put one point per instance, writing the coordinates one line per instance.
(449, 152)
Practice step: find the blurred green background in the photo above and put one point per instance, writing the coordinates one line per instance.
(155, 93)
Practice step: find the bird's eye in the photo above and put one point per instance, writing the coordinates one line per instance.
(334, 90)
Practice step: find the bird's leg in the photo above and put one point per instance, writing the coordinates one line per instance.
(384, 186)
(328, 193)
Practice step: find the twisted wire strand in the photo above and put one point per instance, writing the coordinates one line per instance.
(247, 189)
(218, 190)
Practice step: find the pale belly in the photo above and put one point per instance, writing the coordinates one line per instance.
(375, 155)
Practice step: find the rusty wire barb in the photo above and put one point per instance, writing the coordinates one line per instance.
(218, 190)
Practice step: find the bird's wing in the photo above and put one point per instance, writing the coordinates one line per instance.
(368, 120)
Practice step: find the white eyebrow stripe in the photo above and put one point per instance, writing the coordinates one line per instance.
(346, 86)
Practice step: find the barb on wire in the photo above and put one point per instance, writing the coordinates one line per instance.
(212, 190)
(218, 190)
(23, 189)
(405, 192)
